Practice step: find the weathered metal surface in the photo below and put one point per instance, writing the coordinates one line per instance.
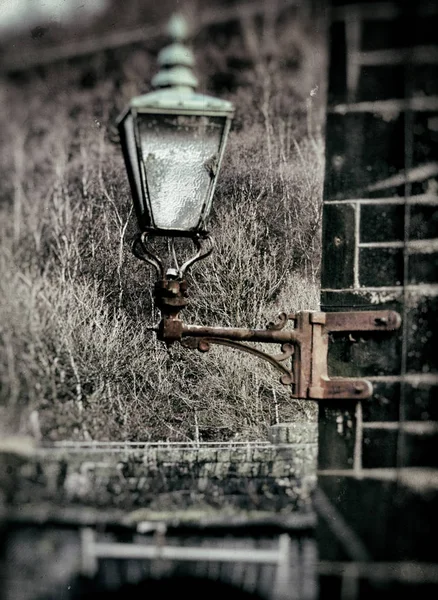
(142, 250)
(173, 142)
(287, 377)
(242, 334)
(363, 321)
(306, 344)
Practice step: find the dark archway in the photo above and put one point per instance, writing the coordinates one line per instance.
(199, 589)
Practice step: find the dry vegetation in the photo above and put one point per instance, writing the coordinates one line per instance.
(76, 359)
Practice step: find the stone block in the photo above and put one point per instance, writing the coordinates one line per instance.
(421, 403)
(425, 80)
(265, 469)
(168, 455)
(381, 82)
(238, 455)
(294, 433)
(244, 469)
(382, 222)
(207, 469)
(338, 235)
(223, 455)
(379, 448)
(280, 469)
(423, 267)
(259, 454)
(206, 454)
(419, 444)
(423, 222)
(189, 455)
(221, 469)
(422, 333)
(380, 267)
(362, 149)
(150, 456)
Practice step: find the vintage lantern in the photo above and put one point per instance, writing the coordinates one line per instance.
(173, 141)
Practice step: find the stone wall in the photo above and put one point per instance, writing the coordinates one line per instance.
(249, 497)
(156, 477)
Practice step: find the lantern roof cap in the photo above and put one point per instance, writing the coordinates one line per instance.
(176, 54)
(175, 77)
(175, 82)
(178, 27)
(176, 60)
(180, 99)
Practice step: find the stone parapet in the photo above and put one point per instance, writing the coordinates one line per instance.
(247, 476)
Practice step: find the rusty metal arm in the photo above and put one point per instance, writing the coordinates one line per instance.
(305, 344)
(241, 334)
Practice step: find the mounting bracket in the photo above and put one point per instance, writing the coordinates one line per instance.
(312, 366)
(305, 344)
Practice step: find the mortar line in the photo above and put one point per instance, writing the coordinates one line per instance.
(357, 456)
(420, 199)
(356, 246)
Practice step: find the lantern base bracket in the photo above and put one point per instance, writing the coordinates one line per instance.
(142, 250)
(303, 360)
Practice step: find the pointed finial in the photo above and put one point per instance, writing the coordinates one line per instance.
(176, 61)
(178, 28)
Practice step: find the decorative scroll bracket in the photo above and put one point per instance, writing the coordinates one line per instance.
(142, 250)
(306, 345)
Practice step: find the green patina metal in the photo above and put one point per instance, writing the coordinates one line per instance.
(175, 82)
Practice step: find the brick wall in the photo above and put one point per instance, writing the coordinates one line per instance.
(377, 459)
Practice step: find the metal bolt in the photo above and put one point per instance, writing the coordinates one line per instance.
(173, 288)
(381, 321)
(203, 346)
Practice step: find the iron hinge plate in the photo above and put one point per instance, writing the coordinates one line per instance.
(321, 386)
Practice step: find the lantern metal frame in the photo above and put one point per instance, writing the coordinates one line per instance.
(142, 203)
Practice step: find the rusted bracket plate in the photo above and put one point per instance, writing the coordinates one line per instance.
(321, 386)
(375, 320)
(340, 389)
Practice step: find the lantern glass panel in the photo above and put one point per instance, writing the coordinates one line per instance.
(180, 154)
